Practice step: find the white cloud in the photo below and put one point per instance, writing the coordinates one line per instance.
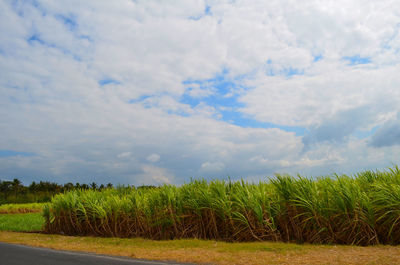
(124, 155)
(309, 99)
(154, 175)
(53, 105)
(212, 166)
(153, 158)
(199, 92)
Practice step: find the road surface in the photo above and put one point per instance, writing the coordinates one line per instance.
(11, 254)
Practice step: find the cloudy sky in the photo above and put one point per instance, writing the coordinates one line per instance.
(150, 92)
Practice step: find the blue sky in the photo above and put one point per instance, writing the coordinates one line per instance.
(224, 97)
(144, 92)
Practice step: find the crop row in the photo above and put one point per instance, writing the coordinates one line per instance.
(363, 209)
(21, 208)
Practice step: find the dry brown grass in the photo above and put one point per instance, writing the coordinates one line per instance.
(211, 252)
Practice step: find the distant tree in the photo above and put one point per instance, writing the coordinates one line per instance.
(68, 186)
(5, 186)
(146, 187)
(14, 191)
(93, 186)
(16, 186)
(33, 187)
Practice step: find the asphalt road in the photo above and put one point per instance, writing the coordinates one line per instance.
(11, 254)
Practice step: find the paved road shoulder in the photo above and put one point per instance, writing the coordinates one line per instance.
(12, 254)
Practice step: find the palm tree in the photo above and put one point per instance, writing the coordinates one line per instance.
(93, 185)
(16, 186)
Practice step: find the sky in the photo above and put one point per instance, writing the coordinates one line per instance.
(151, 92)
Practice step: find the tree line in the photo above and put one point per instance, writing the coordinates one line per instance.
(15, 192)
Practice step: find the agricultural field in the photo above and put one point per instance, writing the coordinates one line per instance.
(360, 210)
(27, 222)
(329, 212)
(21, 208)
(21, 217)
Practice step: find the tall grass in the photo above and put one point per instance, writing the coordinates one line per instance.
(21, 208)
(362, 210)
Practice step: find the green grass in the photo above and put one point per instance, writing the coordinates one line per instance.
(21, 208)
(21, 222)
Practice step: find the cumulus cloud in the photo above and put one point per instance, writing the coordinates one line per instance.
(340, 126)
(388, 134)
(125, 155)
(156, 175)
(101, 92)
(212, 166)
(153, 158)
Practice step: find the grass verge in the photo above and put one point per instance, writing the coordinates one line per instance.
(21, 222)
(212, 252)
